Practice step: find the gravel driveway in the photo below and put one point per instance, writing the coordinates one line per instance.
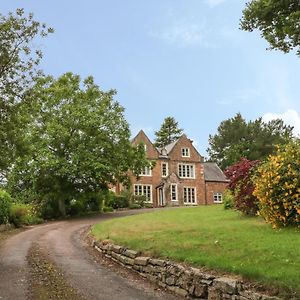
(52, 261)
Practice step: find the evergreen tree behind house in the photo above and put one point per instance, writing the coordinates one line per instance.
(168, 132)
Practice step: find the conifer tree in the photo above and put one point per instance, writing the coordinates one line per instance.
(168, 133)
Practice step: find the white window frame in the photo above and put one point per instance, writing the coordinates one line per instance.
(195, 195)
(183, 170)
(176, 192)
(167, 169)
(146, 172)
(218, 197)
(185, 152)
(141, 188)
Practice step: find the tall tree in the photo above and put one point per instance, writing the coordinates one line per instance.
(168, 133)
(79, 141)
(254, 140)
(278, 22)
(19, 61)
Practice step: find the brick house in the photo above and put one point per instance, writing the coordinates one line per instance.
(179, 177)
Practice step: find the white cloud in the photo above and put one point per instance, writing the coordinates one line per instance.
(185, 34)
(213, 3)
(290, 117)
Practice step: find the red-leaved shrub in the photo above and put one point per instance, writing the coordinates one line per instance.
(241, 184)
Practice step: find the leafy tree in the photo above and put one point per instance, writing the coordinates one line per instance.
(18, 69)
(168, 133)
(78, 142)
(254, 140)
(240, 176)
(278, 22)
(277, 186)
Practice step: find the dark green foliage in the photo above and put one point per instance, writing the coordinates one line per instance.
(79, 142)
(107, 209)
(168, 133)
(19, 59)
(134, 206)
(119, 201)
(5, 206)
(140, 200)
(278, 22)
(254, 140)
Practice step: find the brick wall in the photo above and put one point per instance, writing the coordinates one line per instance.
(214, 187)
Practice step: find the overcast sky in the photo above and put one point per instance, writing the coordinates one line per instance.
(181, 58)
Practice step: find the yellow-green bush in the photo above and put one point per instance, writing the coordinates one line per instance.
(277, 186)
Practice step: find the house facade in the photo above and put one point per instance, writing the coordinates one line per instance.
(179, 176)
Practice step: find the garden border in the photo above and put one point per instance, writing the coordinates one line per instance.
(185, 281)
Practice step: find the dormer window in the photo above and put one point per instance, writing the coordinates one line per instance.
(185, 152)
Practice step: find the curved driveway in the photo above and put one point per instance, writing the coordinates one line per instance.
(62, 241)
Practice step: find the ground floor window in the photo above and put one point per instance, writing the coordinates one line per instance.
(143, 190)
(174, 192)
(218, 197)
(189, 195)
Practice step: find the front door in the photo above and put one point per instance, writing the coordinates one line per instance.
(161, 197)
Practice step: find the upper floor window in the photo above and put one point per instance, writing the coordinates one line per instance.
(164, 169)
(185, 152)
(218, 198)
(147, 171)
(186, 170)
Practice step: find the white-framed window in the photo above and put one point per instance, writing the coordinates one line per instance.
(146, 172)
(218, 197)
(174, 192)
(145, 147)
(185, 152)
(186, 170)
(189, 195)
(143, 190)
(164, 169)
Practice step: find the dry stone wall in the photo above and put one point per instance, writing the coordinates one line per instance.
(185, 281)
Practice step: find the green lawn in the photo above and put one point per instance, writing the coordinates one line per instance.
(215, 238)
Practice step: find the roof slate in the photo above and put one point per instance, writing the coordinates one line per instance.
(213, 173)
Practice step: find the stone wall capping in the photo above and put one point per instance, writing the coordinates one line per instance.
(131, 253)
(188, 282)
(141, 260)
(157, 262)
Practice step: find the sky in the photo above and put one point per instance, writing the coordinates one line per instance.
(181, 58)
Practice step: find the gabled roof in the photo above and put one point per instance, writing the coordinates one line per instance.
(213, 173)
(171, 146)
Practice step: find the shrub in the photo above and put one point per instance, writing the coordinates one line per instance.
(241, 185)
(134, 206)
(118, 201)
(24, 214)
(5, 206)
(139, 200)
(228, 199)
(277, 186)
(107, 209)
(76, 207)
(49, 209)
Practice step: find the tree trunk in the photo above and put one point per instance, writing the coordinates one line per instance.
(62, 207)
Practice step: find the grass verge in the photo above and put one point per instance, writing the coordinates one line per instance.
(213, 238)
